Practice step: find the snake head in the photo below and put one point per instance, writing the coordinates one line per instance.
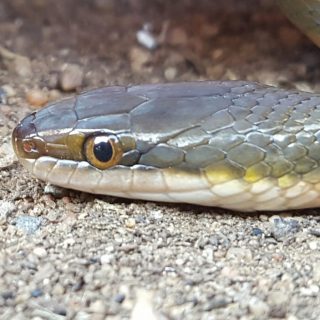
(77, 129)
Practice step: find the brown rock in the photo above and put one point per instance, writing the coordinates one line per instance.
(37, 98)
(71, 77)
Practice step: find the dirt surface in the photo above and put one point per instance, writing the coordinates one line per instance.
(67, 255)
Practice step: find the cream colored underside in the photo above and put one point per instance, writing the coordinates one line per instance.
(170, 186)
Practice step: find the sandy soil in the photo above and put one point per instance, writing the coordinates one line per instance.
(67, 255)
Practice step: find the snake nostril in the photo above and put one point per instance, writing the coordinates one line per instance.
(29, 146)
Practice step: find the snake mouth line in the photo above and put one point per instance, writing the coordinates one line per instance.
(165, 186)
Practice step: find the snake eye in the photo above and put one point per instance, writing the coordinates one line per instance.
(103, 151)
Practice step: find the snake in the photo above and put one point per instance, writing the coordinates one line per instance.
(238, 145)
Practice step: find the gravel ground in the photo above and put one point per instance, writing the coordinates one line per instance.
(70, 255)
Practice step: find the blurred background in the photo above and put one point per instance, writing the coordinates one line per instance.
(134, 41)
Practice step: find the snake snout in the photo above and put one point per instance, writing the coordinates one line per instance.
(23, 138)
(25, 128)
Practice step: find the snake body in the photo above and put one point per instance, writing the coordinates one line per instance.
(233, 144)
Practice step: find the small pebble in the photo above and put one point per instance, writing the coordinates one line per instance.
(170, 73)
(3, 96)
(81, 315)
(278, 257)
(313, 245)
(128, 247)
(78, 285)
(316, 272)
(6, 92)
(37, 98)
(143, 308)
(106, 258)
(130, 223)
(278, 297)
(71, 77)
(6, 295)
(36, 293)
(57, 192)
(69, 242)
(6, 208)
(147, 39)
(216, 303)
(22, 66)
(258, 308)
(40, 252)
(28, 224)
(315, 232)
(60, 309)
(53, 80)
(49, 201)
(98, 307)
(239, 253)
(9, 91)
(53, 216)
(156, 214)
(139, 58)
(256, 232)
(119, 298)
(58, 289)
(312, 291)
(6, 151)
(283, 228)
(230, 273)
(54, 95)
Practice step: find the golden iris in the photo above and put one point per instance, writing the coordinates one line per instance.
(103, 151)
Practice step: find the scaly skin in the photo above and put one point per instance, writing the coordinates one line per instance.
(233, 144)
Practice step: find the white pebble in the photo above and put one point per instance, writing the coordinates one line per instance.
(312, 291)
(98, 306)
(146, 39)
(313, 245)
(106, 258)
(258, 308)
(40, 252)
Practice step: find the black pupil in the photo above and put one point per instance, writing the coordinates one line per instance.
(103, 151)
